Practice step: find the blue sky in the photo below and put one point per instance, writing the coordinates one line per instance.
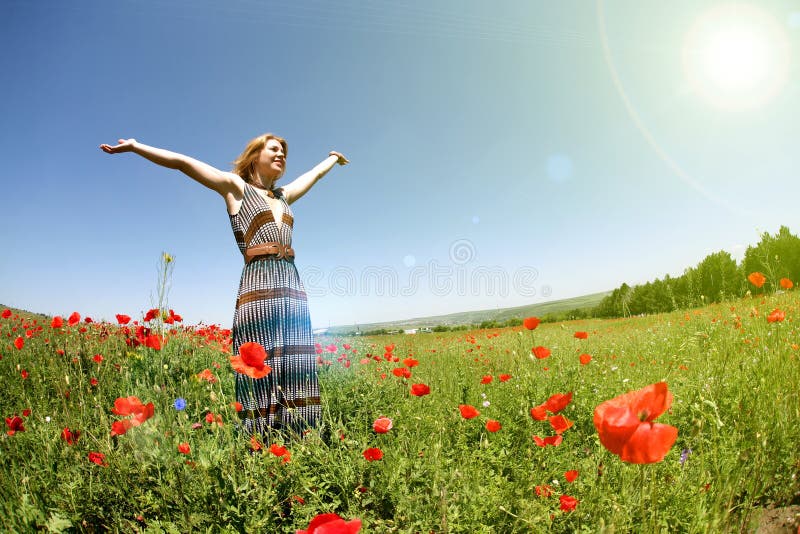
(502, 153)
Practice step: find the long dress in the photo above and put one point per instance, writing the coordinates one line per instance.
(272, 310)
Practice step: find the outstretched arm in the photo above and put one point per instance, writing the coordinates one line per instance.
(224, 183)
(304, 182)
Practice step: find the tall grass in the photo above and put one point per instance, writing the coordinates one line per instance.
(735, 378)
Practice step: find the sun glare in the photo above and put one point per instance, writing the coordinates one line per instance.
(736, 56)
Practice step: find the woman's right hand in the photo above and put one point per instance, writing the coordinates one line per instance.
(123, 145)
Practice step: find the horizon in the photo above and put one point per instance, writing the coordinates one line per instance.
(501, 156)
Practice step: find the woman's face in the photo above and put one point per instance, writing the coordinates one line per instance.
(271, 161)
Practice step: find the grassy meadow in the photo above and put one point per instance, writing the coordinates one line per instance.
(732, 369)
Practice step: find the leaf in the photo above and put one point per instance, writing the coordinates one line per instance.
(58, 523)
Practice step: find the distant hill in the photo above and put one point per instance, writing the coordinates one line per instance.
(478, 316)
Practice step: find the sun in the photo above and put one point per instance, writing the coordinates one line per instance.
(736, 56)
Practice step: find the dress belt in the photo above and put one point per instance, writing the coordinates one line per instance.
(273, 250)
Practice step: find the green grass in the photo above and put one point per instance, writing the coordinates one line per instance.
(735, 379)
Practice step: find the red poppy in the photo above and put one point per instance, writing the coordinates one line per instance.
(585, 358)
(581, 335)
(331, 524)
(237, 406)
(278, 450)
(541, 352)
(372, 454)
(568, 503)
(174, 317)
(776, 316)
(70, 436)
(550, 440)
(98, 358)
(255, 445)
(19, 342)
(531, 323)
(401, 372)
(99, 458)
(251, 360)
(558, 402)
(468, 411)
(331, 348)
(382, 425)
(560, 423)
(487, 379)
(14, 425)
(93, 382)
(539, 412)
(544, 490)
(410, 362)
(184, 448)
(130, 406)
(420, 390)
(626, 428)
(571, 475)
(757, 279)
(504, 378)
(57, 322)
(208, 376)
(74, 318)
(786, 283)
(493, 426)
(152, 314)
(153, 341)
(123, 319)
(24, 374)
(26, 412)
(6, 313)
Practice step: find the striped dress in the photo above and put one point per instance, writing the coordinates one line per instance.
(272, 309)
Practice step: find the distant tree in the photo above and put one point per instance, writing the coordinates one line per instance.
(717, 277)
(776, 257)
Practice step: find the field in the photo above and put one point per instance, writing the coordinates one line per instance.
(732, 370)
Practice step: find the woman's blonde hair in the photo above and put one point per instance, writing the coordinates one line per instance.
(245, 164)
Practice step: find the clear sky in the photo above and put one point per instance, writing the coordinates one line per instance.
(503, 153)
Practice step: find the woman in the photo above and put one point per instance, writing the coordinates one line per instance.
(271, 308)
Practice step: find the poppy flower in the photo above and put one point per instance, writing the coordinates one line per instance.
(786, 283)
(152, 314)
(420, 390)
(539, 412)
(372, 454)
(278, 450)
(99, 458)
(493, 426)
(184, 448)
(331, 348)
(410, 362)
(130, 406)
(581, 335)
(776, 316)
(468, 411)
(504, 378)
(153, 341)
(585, 358)
(57, 322)
(24, 374)
(560, 423)
(550, 440)
(19, 342)
(626, 428)
(251, 360)
(6, 313)
(544, 490)
(382, 425)
(70, 436)
(757, 279)
(571, 475)
(123, 319)
(401, 372)
(531, 323)
(567, 503)
(74, 318)
(487, 379)
(14, 425)
(208, 376)
(331, 524)
(558, 402)
(541, 352)
(98, 358)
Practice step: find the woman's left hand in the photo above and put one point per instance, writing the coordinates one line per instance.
(341, 160)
